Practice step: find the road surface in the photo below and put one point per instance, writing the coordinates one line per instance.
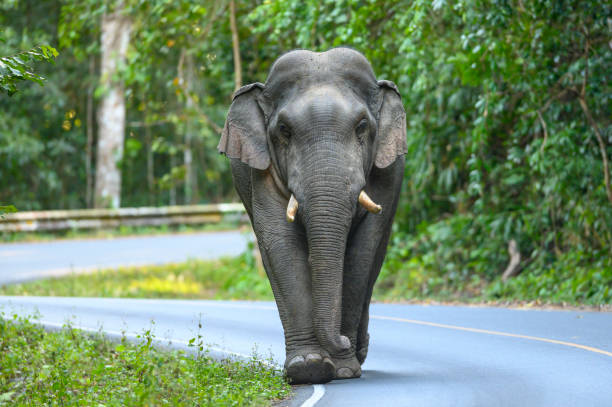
(419, 355)
(28, 261)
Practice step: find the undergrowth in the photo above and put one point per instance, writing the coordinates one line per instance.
(460, 259)
(69, 367)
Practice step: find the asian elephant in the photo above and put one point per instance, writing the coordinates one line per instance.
(317, 158)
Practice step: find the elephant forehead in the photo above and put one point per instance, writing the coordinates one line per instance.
(326, 97)
(302, 69)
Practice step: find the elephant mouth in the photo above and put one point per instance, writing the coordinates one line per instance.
(364, 200)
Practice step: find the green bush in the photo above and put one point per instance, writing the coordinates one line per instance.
(508, 114)
(461, 259)
(508, 129)
(573, 278)
(69, 367)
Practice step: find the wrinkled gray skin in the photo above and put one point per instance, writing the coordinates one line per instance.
(321, 128)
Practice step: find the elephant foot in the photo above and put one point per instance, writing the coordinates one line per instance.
(347, 368)
(310, 367)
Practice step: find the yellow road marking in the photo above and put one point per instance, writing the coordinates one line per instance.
(488, 332)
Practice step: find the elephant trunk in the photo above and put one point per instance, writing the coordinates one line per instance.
(328, 219)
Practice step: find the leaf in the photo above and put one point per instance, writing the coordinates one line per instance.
(7, 209)
(7, 396)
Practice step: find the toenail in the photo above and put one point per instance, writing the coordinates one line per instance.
(313, 357)
(296, 360)
(344, 372)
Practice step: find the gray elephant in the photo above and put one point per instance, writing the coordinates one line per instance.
(317, 158)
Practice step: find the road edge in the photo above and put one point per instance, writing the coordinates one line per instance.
(214, 352)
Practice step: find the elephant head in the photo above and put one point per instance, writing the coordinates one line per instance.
(319, 125)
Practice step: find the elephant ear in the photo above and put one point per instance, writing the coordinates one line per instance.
(244, 133)
(391, 126)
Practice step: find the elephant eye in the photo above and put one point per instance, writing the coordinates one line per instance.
(362, 128)
(284, 130)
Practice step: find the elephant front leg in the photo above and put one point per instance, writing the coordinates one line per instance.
(363, 260)
(285, 256)
(365, 254)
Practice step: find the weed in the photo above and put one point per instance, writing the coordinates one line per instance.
(69, 367)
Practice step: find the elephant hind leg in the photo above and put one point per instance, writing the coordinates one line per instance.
(347, 367)
(362, 348)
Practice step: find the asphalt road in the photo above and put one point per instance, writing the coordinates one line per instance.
(29, 261)
(419, 355)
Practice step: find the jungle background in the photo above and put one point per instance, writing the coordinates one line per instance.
(508, 112)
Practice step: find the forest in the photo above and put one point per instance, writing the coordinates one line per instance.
(509, 124)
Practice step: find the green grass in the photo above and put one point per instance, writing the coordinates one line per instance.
(573, 279)
(122, 231)
(69, 367)
(228, 278)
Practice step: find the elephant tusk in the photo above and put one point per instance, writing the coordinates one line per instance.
(292, 208)
(368, 203)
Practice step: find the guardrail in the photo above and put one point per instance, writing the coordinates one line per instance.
(109, 218)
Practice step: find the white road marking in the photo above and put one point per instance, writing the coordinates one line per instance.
(317, 393)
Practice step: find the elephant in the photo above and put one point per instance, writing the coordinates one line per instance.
(317, 158)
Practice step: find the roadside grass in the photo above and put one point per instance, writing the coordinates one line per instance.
(121, 231)
(69, 367)
(559, 287)
(572, 280)
(228, 278)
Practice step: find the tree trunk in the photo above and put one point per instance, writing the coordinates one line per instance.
(515, 260)
(188, 161)
(187, 79)
(111, 115)
(90, 135)
(172, 190)
(235, 47)
(150, 162)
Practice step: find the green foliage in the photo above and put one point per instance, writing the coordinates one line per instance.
(69, 367)
(4, 209)
(15, 68)
(575, 277)
(497, 96)
(179, 80)
(507, 107)
(41, 128)
(458, 260)
(162, 121)
(235, 278)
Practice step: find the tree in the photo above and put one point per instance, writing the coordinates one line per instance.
(508, 111)
(14, 69)
(115, 35)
